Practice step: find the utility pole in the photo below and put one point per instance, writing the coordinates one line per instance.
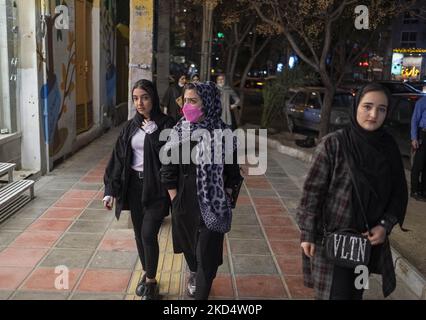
(206, 45)
(163, 48)
(141, 44)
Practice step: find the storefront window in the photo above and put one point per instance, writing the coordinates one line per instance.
(8, 65)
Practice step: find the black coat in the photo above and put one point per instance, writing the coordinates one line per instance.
(117, 172)
(186, 213)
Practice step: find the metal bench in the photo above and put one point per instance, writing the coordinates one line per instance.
(7, 168)
(12, 199)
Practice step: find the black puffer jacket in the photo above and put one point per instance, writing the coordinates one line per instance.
(117, 172)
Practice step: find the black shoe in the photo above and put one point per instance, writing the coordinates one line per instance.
(140, 289)
(190, 289)
(417, 196)
(151, 291)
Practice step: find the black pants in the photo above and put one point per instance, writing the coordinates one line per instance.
(206, 261)
(419, 165)
(343, 286)
(146, 228)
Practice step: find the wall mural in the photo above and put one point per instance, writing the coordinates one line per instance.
(56, 93)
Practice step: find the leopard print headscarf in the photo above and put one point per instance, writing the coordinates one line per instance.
(214, 204)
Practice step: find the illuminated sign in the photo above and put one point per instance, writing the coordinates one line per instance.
(408, 72)
(409, 50)
(406, 67)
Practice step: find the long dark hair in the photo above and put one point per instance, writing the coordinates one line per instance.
(151, 89)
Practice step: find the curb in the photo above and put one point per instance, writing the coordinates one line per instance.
(411, 277)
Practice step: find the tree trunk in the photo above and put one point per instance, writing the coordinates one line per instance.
(247, 69)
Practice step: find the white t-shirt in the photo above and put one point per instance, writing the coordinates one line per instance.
(138, 143)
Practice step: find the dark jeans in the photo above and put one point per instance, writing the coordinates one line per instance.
(206, 261)
(343, 286)
(419, 166)
(146, 228)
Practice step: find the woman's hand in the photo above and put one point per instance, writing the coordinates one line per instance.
(377, 235)
(149, 126)
(308, 249)
(108, 202)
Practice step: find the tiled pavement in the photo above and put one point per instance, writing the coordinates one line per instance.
(67, 226)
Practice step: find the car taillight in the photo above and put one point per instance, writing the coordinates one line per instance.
(413, 98)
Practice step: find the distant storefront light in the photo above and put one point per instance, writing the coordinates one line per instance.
(406, 66)
(280, 67)
(409, 50)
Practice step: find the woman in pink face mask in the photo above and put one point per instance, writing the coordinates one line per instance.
(200, 192)
(193, 106)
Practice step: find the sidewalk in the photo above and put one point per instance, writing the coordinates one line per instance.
(66, 225)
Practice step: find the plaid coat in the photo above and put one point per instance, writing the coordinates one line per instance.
(327, 194)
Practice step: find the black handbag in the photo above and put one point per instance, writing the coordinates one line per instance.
(348, 247)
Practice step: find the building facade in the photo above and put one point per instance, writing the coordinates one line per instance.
(57, 78)
(409, 47)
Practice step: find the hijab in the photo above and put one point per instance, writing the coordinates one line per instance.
(215, 209)
(376, 168)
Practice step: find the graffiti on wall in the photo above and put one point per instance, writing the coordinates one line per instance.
(56, 92)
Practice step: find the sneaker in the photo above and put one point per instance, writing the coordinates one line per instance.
(140, 289)
(190, 289)
(151, 291)
(417, 196)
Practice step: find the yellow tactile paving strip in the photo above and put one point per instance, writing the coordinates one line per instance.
(170, 268)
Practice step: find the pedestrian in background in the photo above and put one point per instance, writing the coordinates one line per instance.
(418, 144)
(131, 179)
(229, 100)
(195, 78)
(200, 192)
(361, 157)
(172, 99)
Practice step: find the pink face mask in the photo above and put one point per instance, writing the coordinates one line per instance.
(191, 112)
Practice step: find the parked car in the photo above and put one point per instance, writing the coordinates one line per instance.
(417, 84)
(303, 109)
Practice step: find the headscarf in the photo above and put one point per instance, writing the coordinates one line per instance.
(376, 166)
(214, 206)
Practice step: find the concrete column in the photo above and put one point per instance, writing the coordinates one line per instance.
(28, 82)
(141, 38)
(163, 48)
